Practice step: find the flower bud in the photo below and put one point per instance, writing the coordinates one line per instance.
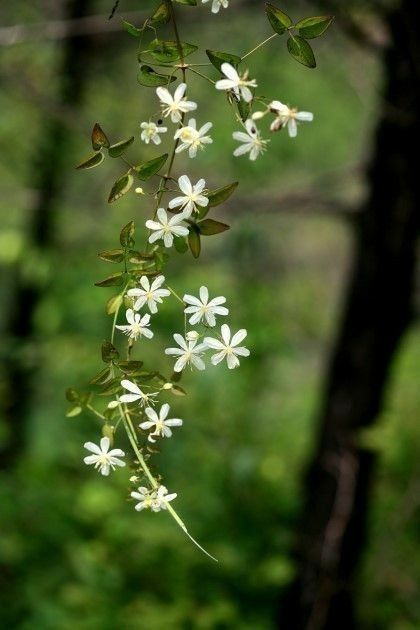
(192, 335)
(168, 386)
(108, 431)
(258, 115)
(139, 191)
(113, 404)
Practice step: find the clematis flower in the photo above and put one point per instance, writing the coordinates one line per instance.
(201, 309)
(156, 500)
(166, 229)
(160, 424)
(136, 394)
(286, 117)
(252, 142)
(137, 325)
(151, 132)
(192, 139)
(238, 84)
(188, 353)
(216, 4)
(176, 105)
(150, 294)
(192, 196)
(103, 458)
(228, 348)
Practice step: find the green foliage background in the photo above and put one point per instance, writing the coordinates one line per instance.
(83, 557)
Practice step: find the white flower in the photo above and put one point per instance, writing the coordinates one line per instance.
(288, 117)
(151, 294)
(159, 423)
(103, 458)
(137, 325)
(136, 394)
(235, 82)
(201, 308)
(166, 229)
(162, 499)
(227, 348)
(193, 139)
(155, 499)
(252, 142)
(188, 352)
(175, 105)
(193, 196)
(217, 4)
(151, 132)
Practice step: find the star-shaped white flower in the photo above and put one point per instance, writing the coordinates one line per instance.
(166, 228)
(192, 139)
(288, 117)
(136, 394)
(201, 308)
(228, 348)
(188, 352)
(216, 4)
(160, 423)
(252, 142)
(176, 105)
(238, 84)
(156, 500)
(137, 325)
(103, 458)
(152, 294)
(192, 196)
(151, 132)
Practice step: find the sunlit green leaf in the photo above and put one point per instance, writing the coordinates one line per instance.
(169, 51)
(114, 280)
(121, 187)
(113, 304)
(162, 15)
(109, 352)
(99, 138)
(309, 28)
(279, 20)
(91, 162)
(177, 390)
(208, 227)
(115, 150)
(217, 58)
(190, 3)
(112, 255)
(127, 235)
(301, 51)
(147, 169)
(131, 29)
(139, 257)
(148, 77)
(74, 411)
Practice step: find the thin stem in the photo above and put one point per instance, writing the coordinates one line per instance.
(259, 46)
(200, 74)
(175, 295)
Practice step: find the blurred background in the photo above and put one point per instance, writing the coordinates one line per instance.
(300, 470)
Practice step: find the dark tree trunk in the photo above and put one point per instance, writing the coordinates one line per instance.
(378, 311)
(49, 175)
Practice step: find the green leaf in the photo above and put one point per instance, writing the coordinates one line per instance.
(169, 51)
(113, 387)
(194, 241)
(217, 58)
(180, 244)
(162, 15)
(208, 227)
(115, 280)
(91, 162)
(121, 187)
(131, 29)
(109, 352)
(244, 109)
(279, 20)
(139, 257)
(102, 377)
(112, 255)
(129, 367)
(309, 28)
(118, 149)
(148, 77)
(177, 390)
(72, 395)
(113, 304)
(301, 51)
(190, 3)
(218, 196)
(147, 169)
(99, 138)
(74, 411)
(127, 235)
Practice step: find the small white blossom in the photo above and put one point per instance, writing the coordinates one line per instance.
(176, 105)
(228, 348)
(151, 132)
(252, 142)
(166, 229)
(103, 458)
(192, 335)
(216, 4)
(152, 294)
(188, 353)
(191, 138)
(193, 196)
(156, 500)
(136, 394)
(288, 117)
(202, 309)
(238, 84)
(137, 325)
(160, 424)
